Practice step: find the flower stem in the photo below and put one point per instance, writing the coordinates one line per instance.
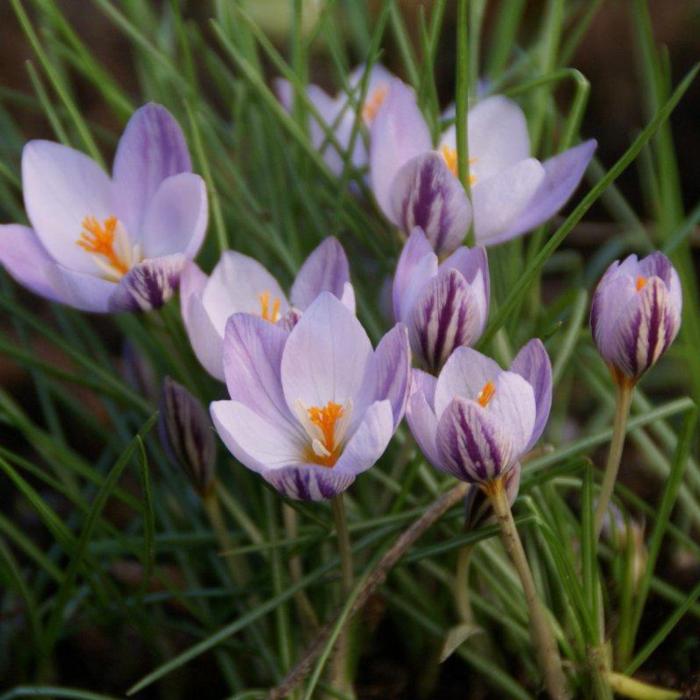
(631, 688)
(236, 565)
(540, 630)
(623, 400)
(464, 607)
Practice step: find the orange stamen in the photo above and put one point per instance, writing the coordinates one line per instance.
(449, 155)
(267, 313)
(373, 103)
(325, 419)
(98, 239)
(641, 283)
(486, 394)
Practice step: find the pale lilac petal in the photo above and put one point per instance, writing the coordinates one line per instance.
(610, 298)
(82, 290)
(562, 175)
(416, 266)
(420, 416)
(176, 218)
(392, 361)
(61, 187)
(465, 373)
(512, 407)
(309, 482)
(497, 137)
(348, 297)
(237, 285)
(151, 149)
(284, 91)
(206, 340)
(445, 317)
(656, 264)
(501, 199)
(472, 445)
(325, 270)
(149, 284)
(379, 77)
(399, 133)
(532, 363)
(26, 260)
(425, 193)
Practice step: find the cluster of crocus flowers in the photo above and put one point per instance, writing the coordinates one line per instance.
(240, 284)
(101, 243)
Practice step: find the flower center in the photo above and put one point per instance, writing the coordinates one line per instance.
(449, 155)
(373, 103)
(326, 427)
(269, 312)
(108, 243)
(640, 283)
(486, 394)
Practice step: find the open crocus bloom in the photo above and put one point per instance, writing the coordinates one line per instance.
(636, 313)
(240, 284)
(444, 306)
(109, 244)
(313, 407)
(475, 421)
(416, 184)
(338, 113)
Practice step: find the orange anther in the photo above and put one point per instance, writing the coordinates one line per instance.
(325, 418)
(98, 239)
(486, 394)
(373, 103)
(641, 283)
(269, 313)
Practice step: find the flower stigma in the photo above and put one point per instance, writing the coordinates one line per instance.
(640, 283)
(486, 394)
(108, 243)
(269, 312)
(449, 155)
(373, 103)
(326, 427)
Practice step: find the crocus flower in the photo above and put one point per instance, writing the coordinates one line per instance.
(416, 184)
(240, 284)
(109, 244)
(444, 306)
(636, 314)
(338, 114)
(475, 421)
(313, 407)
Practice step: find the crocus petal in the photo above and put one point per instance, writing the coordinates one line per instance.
(512, 407)
(149, 284)
(532, 363)
(425, 193)
(392, 361)
(26, 260)
(206, 340)
(416, 266)
(398, 133)
(325, 270)
(326, 357)
(176, 218)
(61, 187)
(445, 317)
(474, 266)
(465, 373)
(257, 443)
(420, 415)
(309, 482)
(497, 137)
(237, 285)
(610, 298)
(82, 290)
(472, 446)
(500, 200)
(252, 357)
(562, 175)
(348, 297)
(656, 264)
(151, 149)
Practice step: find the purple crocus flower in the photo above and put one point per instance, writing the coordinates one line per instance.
(338, 113)
(313, 407)
(444, 306)
(475, 421)
(109, 244)
(240, 284)
(416, 184)
(636, 314)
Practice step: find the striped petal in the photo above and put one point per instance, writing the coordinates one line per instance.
(149, 284)
(309, 482)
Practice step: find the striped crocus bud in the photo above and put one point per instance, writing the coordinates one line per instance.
(636, 314)
(186, 434)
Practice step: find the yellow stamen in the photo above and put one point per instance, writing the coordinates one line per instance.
(268, 313)
(486, 394)
(641, 283)
(373, 103)
(98, 239)
(325, 418)
(449, 155)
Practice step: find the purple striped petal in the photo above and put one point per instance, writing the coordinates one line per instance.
(417, 265)
(149, 284)
(309, 482)
(425, 193)
(392, 361)
(532, 363)
(656, 264)
(472, 446)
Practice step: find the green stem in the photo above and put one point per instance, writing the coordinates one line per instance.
(623, 399)
(464, 607)
(630, 688)
(235, 564)
(540, 630)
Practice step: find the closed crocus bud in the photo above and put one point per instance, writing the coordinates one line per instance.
(636, 314)
(476, 420)
(186, 434)
(444, 305)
